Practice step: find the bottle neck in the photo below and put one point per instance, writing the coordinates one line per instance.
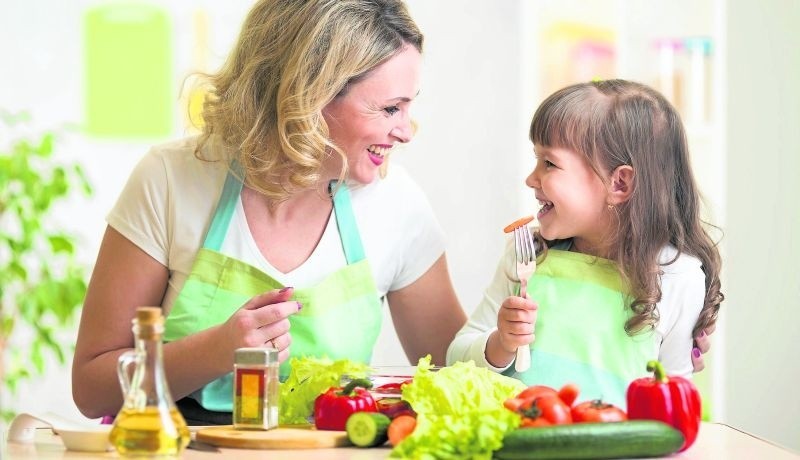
(149, 376)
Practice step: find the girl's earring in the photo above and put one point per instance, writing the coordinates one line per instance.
(610, 207)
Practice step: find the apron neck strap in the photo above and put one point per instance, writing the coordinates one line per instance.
(346, 222)
(225, 207)
(342, 208)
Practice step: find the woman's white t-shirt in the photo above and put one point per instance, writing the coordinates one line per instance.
(170, 198)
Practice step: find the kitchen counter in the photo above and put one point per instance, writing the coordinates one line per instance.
(715, 441)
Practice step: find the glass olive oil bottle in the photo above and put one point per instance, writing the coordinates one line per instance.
(149, 424)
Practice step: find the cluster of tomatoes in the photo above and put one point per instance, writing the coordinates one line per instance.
(541, 405)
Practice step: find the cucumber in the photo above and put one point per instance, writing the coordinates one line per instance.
(639, 438)
(367, 429)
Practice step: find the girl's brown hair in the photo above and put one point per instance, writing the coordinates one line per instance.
(618, 122)
(292, 58)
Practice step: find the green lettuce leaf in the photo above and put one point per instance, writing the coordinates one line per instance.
(460, 412)
(309, 378)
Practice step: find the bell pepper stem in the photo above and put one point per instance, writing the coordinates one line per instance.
(363, 383)
(658, 371)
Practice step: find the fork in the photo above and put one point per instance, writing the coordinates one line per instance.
(525, 254)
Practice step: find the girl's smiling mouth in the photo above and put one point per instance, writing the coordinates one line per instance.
(546, 206)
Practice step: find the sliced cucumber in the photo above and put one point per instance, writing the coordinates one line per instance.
(367, 429)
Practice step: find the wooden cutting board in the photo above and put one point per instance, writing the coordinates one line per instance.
(277, 438)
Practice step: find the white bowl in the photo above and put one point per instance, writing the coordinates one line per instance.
(86, 439)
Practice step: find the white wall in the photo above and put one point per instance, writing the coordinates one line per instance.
(469, 131)
(762, 243)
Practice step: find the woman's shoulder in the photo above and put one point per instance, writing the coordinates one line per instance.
(179, 164)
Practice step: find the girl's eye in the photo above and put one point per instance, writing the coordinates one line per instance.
(548, 163)
(391, 110)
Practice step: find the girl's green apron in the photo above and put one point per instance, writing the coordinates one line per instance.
(580, 335)
(341, 316)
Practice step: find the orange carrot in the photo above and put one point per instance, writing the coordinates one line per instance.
(517, 223)
(400, 428)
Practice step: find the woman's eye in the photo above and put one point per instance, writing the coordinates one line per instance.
(391, 110)
(548, 163)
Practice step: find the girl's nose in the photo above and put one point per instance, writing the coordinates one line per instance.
(532, 180)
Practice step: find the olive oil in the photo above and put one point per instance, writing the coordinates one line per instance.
(149, 424)
(149, 432)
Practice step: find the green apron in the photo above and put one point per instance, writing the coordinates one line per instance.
(340, 319)
(580, 335)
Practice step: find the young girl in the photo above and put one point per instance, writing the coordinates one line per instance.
(627, 272)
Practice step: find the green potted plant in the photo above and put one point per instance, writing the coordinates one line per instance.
(42, 285)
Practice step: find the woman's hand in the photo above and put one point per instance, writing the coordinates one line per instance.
(262, 321)
(516, 321)
(702, 344)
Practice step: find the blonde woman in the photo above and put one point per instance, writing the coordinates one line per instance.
(274, 227)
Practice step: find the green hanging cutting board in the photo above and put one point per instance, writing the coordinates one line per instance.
(128, 62)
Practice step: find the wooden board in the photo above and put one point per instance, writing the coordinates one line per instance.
(278, 438)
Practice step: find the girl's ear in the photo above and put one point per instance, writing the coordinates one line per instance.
(622, 184)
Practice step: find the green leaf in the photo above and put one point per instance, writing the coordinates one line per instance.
(60, 243)
(18, 270)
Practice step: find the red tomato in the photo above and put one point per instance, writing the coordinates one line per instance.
(569, 393)
(537, 390)
(597, 411)
(553, 409)
(534, 422)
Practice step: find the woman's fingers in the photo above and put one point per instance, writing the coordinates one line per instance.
(269, 297)
(702, 343)
(698, 364)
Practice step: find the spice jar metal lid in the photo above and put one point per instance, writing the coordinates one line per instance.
(258, 356)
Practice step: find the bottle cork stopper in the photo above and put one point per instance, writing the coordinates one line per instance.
(148, 315)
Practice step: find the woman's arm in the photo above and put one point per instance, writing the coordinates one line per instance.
(427, 314)
(124, 278)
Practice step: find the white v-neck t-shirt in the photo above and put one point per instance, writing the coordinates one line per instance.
(170, 198)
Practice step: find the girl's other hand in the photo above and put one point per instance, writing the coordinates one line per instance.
(516, 321)
(702, 343)
(262, 321)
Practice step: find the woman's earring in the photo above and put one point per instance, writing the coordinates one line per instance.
(610, 207)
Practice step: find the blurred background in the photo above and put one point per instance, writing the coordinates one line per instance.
(110, 79)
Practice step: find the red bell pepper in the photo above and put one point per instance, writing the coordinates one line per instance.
(332, 408)
(672, 400)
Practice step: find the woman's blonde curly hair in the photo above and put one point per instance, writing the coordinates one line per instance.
(264, 107)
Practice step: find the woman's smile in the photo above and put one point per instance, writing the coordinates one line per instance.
(377, 153)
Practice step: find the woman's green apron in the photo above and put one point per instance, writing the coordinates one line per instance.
(341, 316)
(580, 335)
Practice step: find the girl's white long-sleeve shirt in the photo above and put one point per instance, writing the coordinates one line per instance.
(682, 298)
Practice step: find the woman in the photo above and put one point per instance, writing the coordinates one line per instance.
(280, 190)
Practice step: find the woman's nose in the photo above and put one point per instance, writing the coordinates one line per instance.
(404, 131)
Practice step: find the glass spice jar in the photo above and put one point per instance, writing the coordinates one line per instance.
(255, 388)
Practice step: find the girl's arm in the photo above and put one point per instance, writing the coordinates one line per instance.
(427, 314)
(479, 339)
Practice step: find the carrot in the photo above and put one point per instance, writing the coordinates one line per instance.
(517, 223)
(400, 428)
